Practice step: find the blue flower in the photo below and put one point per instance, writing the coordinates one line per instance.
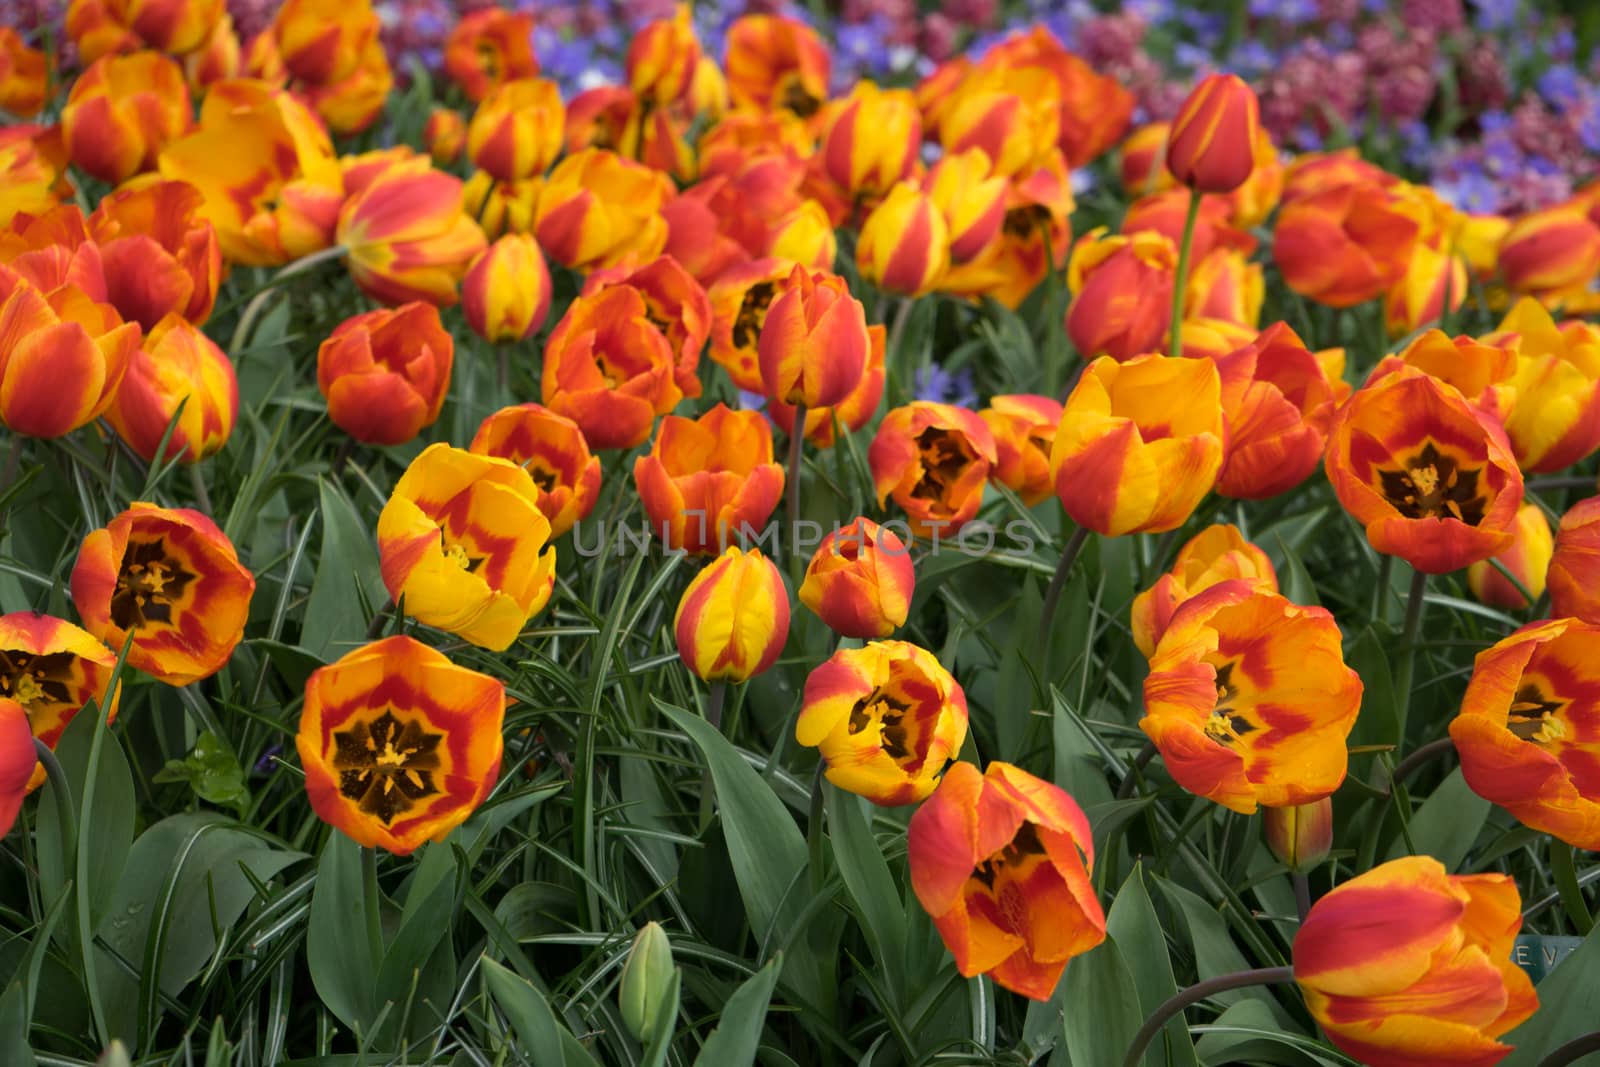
(1589, 125)
(1291, 11)
(1498, 14)
(1471, 191)
(1559, 84)
(934, 383)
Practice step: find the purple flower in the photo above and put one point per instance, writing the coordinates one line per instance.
(1559, 84)
(1497, 14)
(934, 383)
(1472, 191)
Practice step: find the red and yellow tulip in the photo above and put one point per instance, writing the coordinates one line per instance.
(663, 59)
(859, 581)
(52, 669)
(385, 373)
(160, 255)
(406, 237)
(23, 75)
(707, 480)
(444, 135)
(904, 245)
(597, 208)
(733, 619)
(1211, 143)
(813, 345)
(177, 364)
(1214, 555)
(1121, 293)
(933, 459)
(62, 357)
(740, 299)
(122, 111)
(506, 291)
(322, 41)
(552, 450)
(355, 101)
(1300, 836)
(776, 62)
(18, 762)
(1347, 244)
(1574, 574)
(488, 48)
(675, 303)
(177, 27)
(518, 130)
(1554, 416)
(1024, 428)
(853, 412)
(501, 207)
(972, 200)
(1552, 254)
(1527, 558)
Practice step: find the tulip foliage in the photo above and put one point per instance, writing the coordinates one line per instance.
(732, 564)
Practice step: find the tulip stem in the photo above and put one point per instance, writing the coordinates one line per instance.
(62, 792)
(1302, 893)
(1180, 282)
(1193, 995)
(1573, 1050)
(814, 828)
(258, 303)
(375, 627)
(1417, 758)
(8, 475)
(503, 365)
(1140, 762)
(714, 701)
(797, 438)
(1058, 582)
(201, 495)
(1408, 645)
(1565, 872)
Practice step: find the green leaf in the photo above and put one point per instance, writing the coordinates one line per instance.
(338, 953)
(1569, 1004)
(1214, 949)
(1448, 823)
(347, 578)
(1379, 721)
(410, 960)
(870, 884)
(738, 1034)
(1104, 1015)
(16, 1004)
(1248, 1032)
(542, 1039)
(211, 770)
(1133, 924)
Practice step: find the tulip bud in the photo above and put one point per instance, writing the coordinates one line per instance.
(1301, 835)
(734, 617)
(813, 345)
(860, 580)
(905, 244)
(872, 140)
(1527, 559)
(385, 373)
(1551, 253)
(646, 978)
(1211, 146)
(506, 293)
(444, 134)
(121, 111)
(663, 59)
(517, 131)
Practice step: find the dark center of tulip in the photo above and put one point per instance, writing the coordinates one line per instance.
(488, 59)
(898, 737)
(542, 476)
(1024, 847)
(1024, 221)
(148, 584)
(386, 764)
(1225, 725)
(944, 458)
(753, 314)
(1534, 718)
(36, 682)
(792, 94)
(1434, 485)
(457, 553)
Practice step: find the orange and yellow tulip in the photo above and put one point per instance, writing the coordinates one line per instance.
(1527, 558)
(18, 762)
(177, 27)
(992, 854)
(904, 245)
(172, 579)
(933, 459)
(1216, 554)
(488, 48)
(552, 450)
(219, 57)
(444, 135)
(62, 357)
(1346, 245)
(177, 364)
(23, 75)
(1139, 444)
(733, 619)
(1253, 201)
(385, 373)
(399, 745)
(1481, 372)
(1166, 213)
(813, 345)
(609, 368)
(663, 59)
(355, 101)
(1249, 700)
(853, 412)
(52, 669)
(675, 303)
(871, 140)
(1406, 965)
(740, 300)
(506, 291)
(1553, 419)
(1024, 428)
(805, 235)
(1143, 166)
(322, 41)
(462, 545)
(597, 208)
(1094, 108)
(518, 129)
(859, 581)
(501, 207)
(32, 165)
(776, 62)
(51, 251)
(122, 111)
(1225, 286)
(1012, 117)
(1121, 293)
(406, 236)
(1429, 475)
(707, 480)
(972, 200)
(885, 720)
(1573, 577)
(1300, 836)
(1552, 254)
(1211, 144)
(160, 255)
(1418, 298)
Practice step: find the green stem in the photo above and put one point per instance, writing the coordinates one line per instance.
(1180, 283)
(62, 792)
(8, 474)
(1404, 670)
(1142, 760)
(1193, 995)
(201, 496)
(1380, 592)
(1573, 1050)
(814, 839)
(1564, 869)
(1302, 893)
(369, 888)
(797, 438)
(714, 702)
(1058, 582)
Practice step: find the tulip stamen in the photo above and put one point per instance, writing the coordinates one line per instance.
(386, 764)
(1000, 867)
(1024, 221)
(1533, 718)
(889, 715)
(944, 457)
(148, 584)
(792, 94)
(1434, 485)
(36, 682)
(1225, 725)
(753, 314)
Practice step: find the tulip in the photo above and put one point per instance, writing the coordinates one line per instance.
(852, 413)
(709, 479)
(18, 762)
(1034, 238)
(1249, 700)
(322, 41)
(675, 304)
(62, 356)
(1301, 835)
(1418, 298)
(23, 75)
(552, 450)
(1206, 338)
(1554, 416)
(871, 140)
(444, 135)
(1430, 476)
(859, 581)
(406, 236)
(1574, 574)
(1139, 444)
(609, 368)
(1525, 730)
(399, 745)
(217, 58)
(1527, 558)
(52, 251)
(1408, 965)
(740, 300)
(121, 111)
(52, 669)
(172, 579)
(663, 59)
(1552, 254)
(489, 47)
(1121, 293)
(385, 373)
(1224, 285)
(32, 164)
(516, 132)
(597, 208)
(501, 207)
(885, 719)
(506, 291)
(177, 27)
(1211, 146)
(1278, 400)
(1258, 197)
(1024, 428)
(355, 101)
(95, 31)
(804, 235)
(1094, 109)
(1311, 173)
(160, 255)
(972, 201)
(177, 364)
(694, 238)
(1346, 245)
(1477, 239)
(1216, 554)
(813, 344)
(904, 245)
(733, 619)
(463, 542)
(1001, 861)
(1013, 118)
(776, 62)
(1143, 169)
(933, 459)
(646, 978)
(1480, 371)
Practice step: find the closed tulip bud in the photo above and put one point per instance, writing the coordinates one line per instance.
(885, 719)
(1140, 444)
(160, 254)
(663, 58)
(121, 111)
(177, 364)
(444, 135)
(871, 141)
(971, 199)
(860, 580)
(1418, 297)
(1300, 835)
(18, 761)
(501, 207)
(708, 480)
(1527, 558)
(506, 291)
(733, 618)
(646, 979)
(813, 345)
(1015, 120)
(1554, 416)
(1574, 573)
(1144, 160)
(552, 450)
(776, 62)
(355, 101)
(1121, 293)
(852, 413)
(517, 130)
(597, 208)
(1216, 554)
(462, 544)
(407, 237)
(385, 373)
(62, 356)
(322, 41)
(173, 580)
(1406, 965)
(1552, 253)
(805, 236)
(217, 59)
(23, 75)
(1346, 245)
(489, 47)
(904, 246)
(1211, 146)
(1024, 428)
(933, 460)
(609, 368)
